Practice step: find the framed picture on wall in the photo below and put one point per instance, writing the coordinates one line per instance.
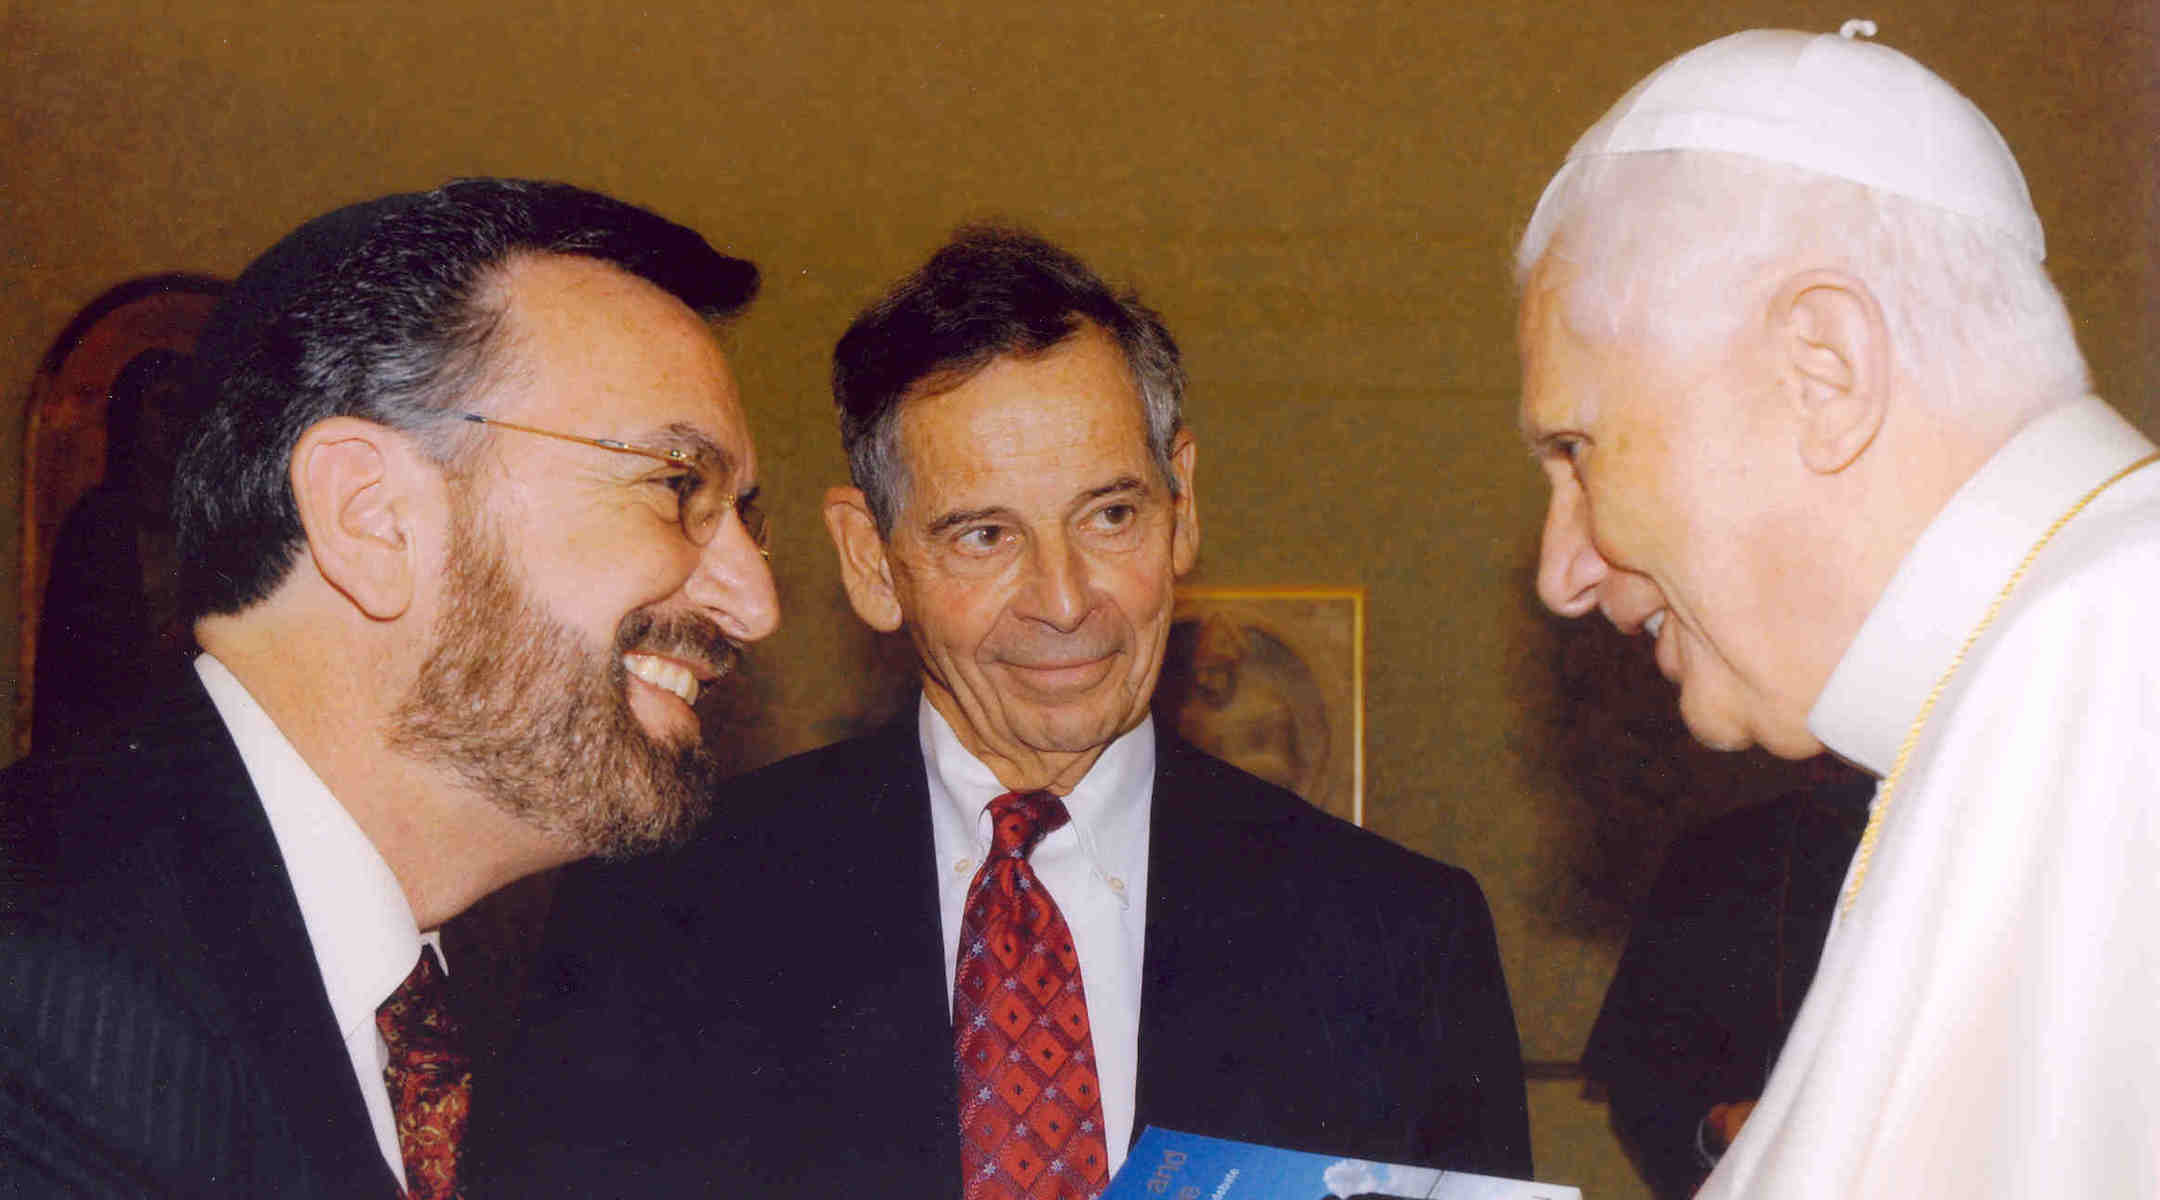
(1273, 681)
(106, 416)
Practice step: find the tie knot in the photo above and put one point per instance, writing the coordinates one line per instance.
(1021, 819)
(428, 1077)
(417, 1015)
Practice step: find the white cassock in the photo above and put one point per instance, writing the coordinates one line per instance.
(1986, 1018)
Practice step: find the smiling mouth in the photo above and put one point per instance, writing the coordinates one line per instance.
(664, 673)
(1061, 675)
(1070, 664)
(1060, 668)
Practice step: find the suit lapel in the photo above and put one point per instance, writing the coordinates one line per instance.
(896, 1031)
(1181, 875)
(899, 858)
(1200, 1060)
(239, 904)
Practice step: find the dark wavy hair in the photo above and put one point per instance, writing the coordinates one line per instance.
(990, 292)
(383, 311)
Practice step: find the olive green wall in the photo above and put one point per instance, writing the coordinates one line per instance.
(1320, 197)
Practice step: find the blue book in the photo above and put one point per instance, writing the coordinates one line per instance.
(1168, 1165)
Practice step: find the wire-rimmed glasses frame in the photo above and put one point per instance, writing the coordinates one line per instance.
(700, 512)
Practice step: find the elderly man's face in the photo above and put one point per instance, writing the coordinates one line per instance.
(1668, 516)
(579, 620)
(1035, 551)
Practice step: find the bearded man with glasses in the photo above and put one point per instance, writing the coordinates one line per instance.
(440, 655)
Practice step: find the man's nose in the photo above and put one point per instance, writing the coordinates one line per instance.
(1056, 592)
(734, 583)
(1569, 565)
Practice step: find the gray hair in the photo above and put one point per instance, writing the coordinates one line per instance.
(990, 293)
(1656, 242)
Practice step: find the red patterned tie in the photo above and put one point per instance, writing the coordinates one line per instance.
(429, 1076)
(1031, 1116)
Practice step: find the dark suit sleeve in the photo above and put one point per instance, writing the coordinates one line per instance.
(163, 1025)
(761, 1013)
(558, 1119)
(109, 1085)
(1313, 986)
(1479, 1106)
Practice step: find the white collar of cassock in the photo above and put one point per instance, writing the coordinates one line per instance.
(1945, 583)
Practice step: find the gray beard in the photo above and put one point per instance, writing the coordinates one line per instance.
(527, 715)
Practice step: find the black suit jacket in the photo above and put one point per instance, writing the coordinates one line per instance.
(767, 1009)
(163, 1026)
(1715, 969)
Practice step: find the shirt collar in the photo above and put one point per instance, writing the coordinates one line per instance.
(1109, 806)
(358, 921)
(1946, 581)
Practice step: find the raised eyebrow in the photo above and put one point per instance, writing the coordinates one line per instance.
(1123, 483)
(966, 516)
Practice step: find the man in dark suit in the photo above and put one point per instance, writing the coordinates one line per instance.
(464, 529)
(802, 1001)
(1716, 965)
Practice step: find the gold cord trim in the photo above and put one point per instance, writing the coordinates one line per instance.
(1883, 794)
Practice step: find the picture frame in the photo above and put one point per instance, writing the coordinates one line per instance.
(68, 436)
(1272, 680)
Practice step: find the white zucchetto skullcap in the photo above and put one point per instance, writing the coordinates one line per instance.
(1829, 103)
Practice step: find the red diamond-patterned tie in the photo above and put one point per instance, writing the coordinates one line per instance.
(430, 1078)
(1031, 1116)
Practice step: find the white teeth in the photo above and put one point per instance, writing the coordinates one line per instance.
(1654, 622)
(661, 673)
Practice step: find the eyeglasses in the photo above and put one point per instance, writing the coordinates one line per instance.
(702, 496)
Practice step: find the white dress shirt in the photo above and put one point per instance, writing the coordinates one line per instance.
(357, 918)
(1983, 1020)
(1095, 868)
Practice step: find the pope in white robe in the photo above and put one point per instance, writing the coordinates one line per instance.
(1817, 426)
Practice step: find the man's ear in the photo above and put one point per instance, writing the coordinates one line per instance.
(863, 566)
(1834, 348)
(355, 485)
(1185, 543)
